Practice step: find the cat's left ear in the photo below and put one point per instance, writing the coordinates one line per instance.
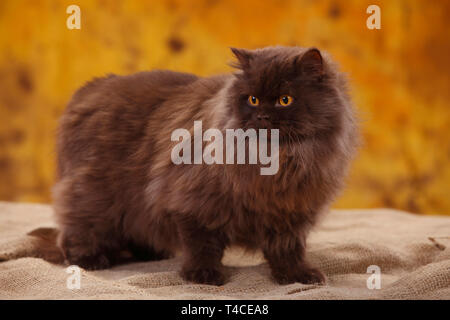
(243, 56)
(310, 63)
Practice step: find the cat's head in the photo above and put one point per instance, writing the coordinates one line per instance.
(287, 88)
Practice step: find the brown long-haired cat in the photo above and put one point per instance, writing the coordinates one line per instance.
(119, 189)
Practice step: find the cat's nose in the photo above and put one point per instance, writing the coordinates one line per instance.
(262, 116)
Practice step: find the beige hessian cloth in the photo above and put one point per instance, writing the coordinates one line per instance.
(343, 246)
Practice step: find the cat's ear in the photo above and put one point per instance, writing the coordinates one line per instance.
(243, 56)
(310, 63)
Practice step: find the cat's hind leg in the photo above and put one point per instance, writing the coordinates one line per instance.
(86, 248)
(88, 229)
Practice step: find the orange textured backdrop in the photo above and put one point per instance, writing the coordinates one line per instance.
(399, 77)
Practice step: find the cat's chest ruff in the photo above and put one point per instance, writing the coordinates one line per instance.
(279, 193)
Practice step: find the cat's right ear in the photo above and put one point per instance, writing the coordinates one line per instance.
(310, 63)
(243, 56)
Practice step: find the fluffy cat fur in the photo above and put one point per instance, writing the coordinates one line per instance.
(118, 189)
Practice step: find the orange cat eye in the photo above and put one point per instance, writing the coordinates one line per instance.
(285, 100)
(253, 101)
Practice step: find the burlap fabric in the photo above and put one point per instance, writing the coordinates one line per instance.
(343, 245)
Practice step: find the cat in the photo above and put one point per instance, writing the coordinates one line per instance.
(117, 188)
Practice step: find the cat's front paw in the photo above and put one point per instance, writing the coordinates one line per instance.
(93, 262)
(205, 275)
(305, 275)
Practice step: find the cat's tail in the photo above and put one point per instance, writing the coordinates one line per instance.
(44, 245)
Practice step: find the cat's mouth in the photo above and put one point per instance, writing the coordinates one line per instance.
(287, 135)
(259, 124)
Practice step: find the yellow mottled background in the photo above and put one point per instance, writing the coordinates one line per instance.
(399, 77)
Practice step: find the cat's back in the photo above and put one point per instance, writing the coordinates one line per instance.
(145, 87)
(110, 114)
